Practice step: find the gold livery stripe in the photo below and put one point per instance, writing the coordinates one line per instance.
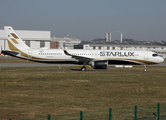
(143, 61)
(11, 46)
(15, 41)
(36, 58)
(135, 60)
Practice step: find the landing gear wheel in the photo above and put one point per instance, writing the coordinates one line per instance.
(83, 69)
(145, 68)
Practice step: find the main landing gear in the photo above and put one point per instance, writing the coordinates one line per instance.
(83, 68)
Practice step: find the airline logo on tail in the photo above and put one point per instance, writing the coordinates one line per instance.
(15, 43)
(15, 36)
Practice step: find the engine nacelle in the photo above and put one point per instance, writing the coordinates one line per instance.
(99, 64)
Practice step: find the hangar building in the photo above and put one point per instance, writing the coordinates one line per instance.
(34, 39)
(67, 42)
(40, 39)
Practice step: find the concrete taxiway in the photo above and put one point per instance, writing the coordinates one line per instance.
(49, 65)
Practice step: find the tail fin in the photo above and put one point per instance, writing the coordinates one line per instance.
(14, 41)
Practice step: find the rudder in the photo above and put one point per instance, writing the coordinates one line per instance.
(15, 43)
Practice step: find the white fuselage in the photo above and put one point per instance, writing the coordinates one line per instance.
(58, 55)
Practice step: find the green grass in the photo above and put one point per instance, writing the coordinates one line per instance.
(28, 94)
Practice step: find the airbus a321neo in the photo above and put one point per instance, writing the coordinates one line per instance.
(98, 59)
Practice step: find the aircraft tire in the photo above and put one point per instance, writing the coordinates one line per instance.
(83, 69)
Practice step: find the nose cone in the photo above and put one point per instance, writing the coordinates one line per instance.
(161, 60)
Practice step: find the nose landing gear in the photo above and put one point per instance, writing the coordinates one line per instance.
(145, 68)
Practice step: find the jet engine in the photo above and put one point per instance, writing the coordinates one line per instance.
(102, 64)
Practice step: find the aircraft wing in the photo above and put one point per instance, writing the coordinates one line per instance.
(79, 58)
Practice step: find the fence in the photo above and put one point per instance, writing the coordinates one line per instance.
(147, 112)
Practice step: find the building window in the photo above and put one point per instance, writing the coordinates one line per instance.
(113, 48)
(108, 48)
(121, 48)
(42, 43)
(27, 42)
(99, 47)
(94, 47)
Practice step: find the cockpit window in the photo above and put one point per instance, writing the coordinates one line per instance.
(154, 55)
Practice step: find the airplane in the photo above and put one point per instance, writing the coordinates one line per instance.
(98, 59)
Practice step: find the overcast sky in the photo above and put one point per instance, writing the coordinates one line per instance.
(88, 19)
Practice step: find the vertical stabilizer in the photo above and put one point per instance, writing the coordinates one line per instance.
(15, 43)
